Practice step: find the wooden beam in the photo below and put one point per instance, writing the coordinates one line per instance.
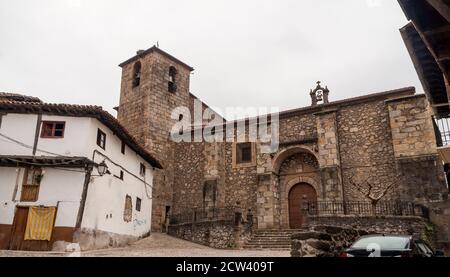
(441, 30)
(432, 50)
(441, 7)
(407, 33)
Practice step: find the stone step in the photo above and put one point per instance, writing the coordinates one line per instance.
(277, 231)
(281, 247)
(269, 242)
(271, 238)
(273, 234)
(275, 242)
(267, 246)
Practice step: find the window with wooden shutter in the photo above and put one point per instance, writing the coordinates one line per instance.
(101, 139)
(53, 129)
(142, 170)
(244, 154)
(31, 183)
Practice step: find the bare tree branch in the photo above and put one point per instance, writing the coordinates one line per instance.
(370, 187)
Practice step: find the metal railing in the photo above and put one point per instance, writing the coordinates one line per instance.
(364, 208)
(442, 130)
(202, 215)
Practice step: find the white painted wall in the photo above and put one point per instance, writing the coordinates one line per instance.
(20, 127)
(58, 188)
(106, 194)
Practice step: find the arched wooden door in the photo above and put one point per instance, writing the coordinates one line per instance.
(299, 195)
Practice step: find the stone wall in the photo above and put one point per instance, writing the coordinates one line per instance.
(217, 234)
(381, 225)
(410, 119)
(440, 217)
(365, 146)
(346, 140)
(90, 239)
(328, 236)
(323, 241)
(145, 111)
(366, 138)
(221, 234)
(415, 149)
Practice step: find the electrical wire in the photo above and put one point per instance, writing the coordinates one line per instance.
(28, 146)
(12, 140)
(126, 170)
(40, 164)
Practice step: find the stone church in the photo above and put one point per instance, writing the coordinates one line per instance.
(377, 145)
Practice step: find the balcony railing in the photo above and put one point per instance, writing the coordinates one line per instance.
(442, 130)
(364, 208)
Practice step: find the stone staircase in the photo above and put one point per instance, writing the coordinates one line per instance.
(270, 240)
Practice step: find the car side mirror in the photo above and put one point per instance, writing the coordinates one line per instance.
(439, 253)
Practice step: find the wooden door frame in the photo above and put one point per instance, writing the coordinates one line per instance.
(289, 200)
(26, 223)
(13, 228)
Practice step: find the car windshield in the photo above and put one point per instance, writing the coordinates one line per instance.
(385, 243)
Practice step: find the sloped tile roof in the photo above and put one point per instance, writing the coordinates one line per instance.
(80, 111)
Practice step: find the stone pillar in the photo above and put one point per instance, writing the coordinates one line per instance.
(329, 162)
(265, 202)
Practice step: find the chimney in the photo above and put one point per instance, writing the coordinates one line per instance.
(138, 52)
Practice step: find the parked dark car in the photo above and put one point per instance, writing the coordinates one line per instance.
(390, 246)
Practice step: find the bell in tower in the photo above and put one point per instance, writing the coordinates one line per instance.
(319, 95)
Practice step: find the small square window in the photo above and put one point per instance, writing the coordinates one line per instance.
(52, 129)
(122, 149)
(138, 204)
(142, 170)
(244, 152)
(101, 139)
(120, 176)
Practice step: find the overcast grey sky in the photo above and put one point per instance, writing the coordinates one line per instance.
(245, 53)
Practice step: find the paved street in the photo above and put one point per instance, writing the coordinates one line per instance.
(157, 245)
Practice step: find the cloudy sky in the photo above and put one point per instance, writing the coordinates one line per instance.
(245, 53)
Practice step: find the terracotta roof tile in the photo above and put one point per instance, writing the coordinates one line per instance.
(80, 111)
(18, 97)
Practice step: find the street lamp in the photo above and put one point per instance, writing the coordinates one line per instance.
(102, 168)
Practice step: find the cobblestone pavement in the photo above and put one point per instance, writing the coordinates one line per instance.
(157, 245)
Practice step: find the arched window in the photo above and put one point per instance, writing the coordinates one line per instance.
(172, 86)
(137, 74)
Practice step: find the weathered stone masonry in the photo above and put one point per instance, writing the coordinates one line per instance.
(321, 147)
(375, 137)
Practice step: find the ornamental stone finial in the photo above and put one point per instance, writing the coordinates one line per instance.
(319, 95)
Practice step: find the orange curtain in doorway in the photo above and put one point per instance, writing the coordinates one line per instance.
(40, 223)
